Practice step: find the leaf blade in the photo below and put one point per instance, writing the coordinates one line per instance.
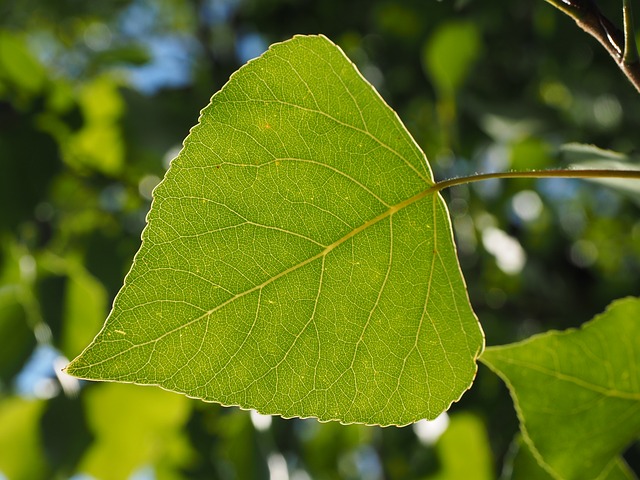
(591, 382)
(267, 277)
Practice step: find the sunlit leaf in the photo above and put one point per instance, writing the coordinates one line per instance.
(577, 393)
(296, 260)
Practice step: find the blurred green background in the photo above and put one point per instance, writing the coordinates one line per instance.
(95, 100)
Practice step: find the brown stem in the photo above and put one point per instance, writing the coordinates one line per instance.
(588, 17)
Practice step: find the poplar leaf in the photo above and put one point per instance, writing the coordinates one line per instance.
(577, 392)
(296, 259)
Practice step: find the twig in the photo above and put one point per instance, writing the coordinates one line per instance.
(621, 46)
(630, 47)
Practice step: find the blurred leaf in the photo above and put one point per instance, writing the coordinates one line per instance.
(325, 443)
(61, 96)
(21, 456)
(398, 19)
(127, 54)
(64, 434)
(584, 383)
(85, 308)
(464, 450)
(29, 161)
(580, 152)
(84, 303)
(296, 260)
(98, 145)
(16, 338)
(530, 154)
(450, 53)
(586, 157)
(237, 453)
(18, 67)
(509, 126)
(133, 428)
(524, 466)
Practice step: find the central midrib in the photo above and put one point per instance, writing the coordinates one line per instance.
(387, 213)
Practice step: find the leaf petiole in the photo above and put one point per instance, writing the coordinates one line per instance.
(555, 173)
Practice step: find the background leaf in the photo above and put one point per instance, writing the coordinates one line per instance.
(450, 54)
(13, 324)
(577, 393)
(20, 439)
(135, 428)
(590, 157)
(466, 437)
(522, 465)
(296, 261)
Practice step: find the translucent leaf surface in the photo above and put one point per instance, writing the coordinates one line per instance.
(577, 393)
(296, 260)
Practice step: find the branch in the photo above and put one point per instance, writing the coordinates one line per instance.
(621, 46)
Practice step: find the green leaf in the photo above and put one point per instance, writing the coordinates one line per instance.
(583, 156)
(134, 428)
(16, 337)
(238, 446)
(21, 455)
(98, 145)
(296, 260)
(465, 435)
(523, 466)
(18, 66)
(84, 302)
(450, 53)
(577, 393)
